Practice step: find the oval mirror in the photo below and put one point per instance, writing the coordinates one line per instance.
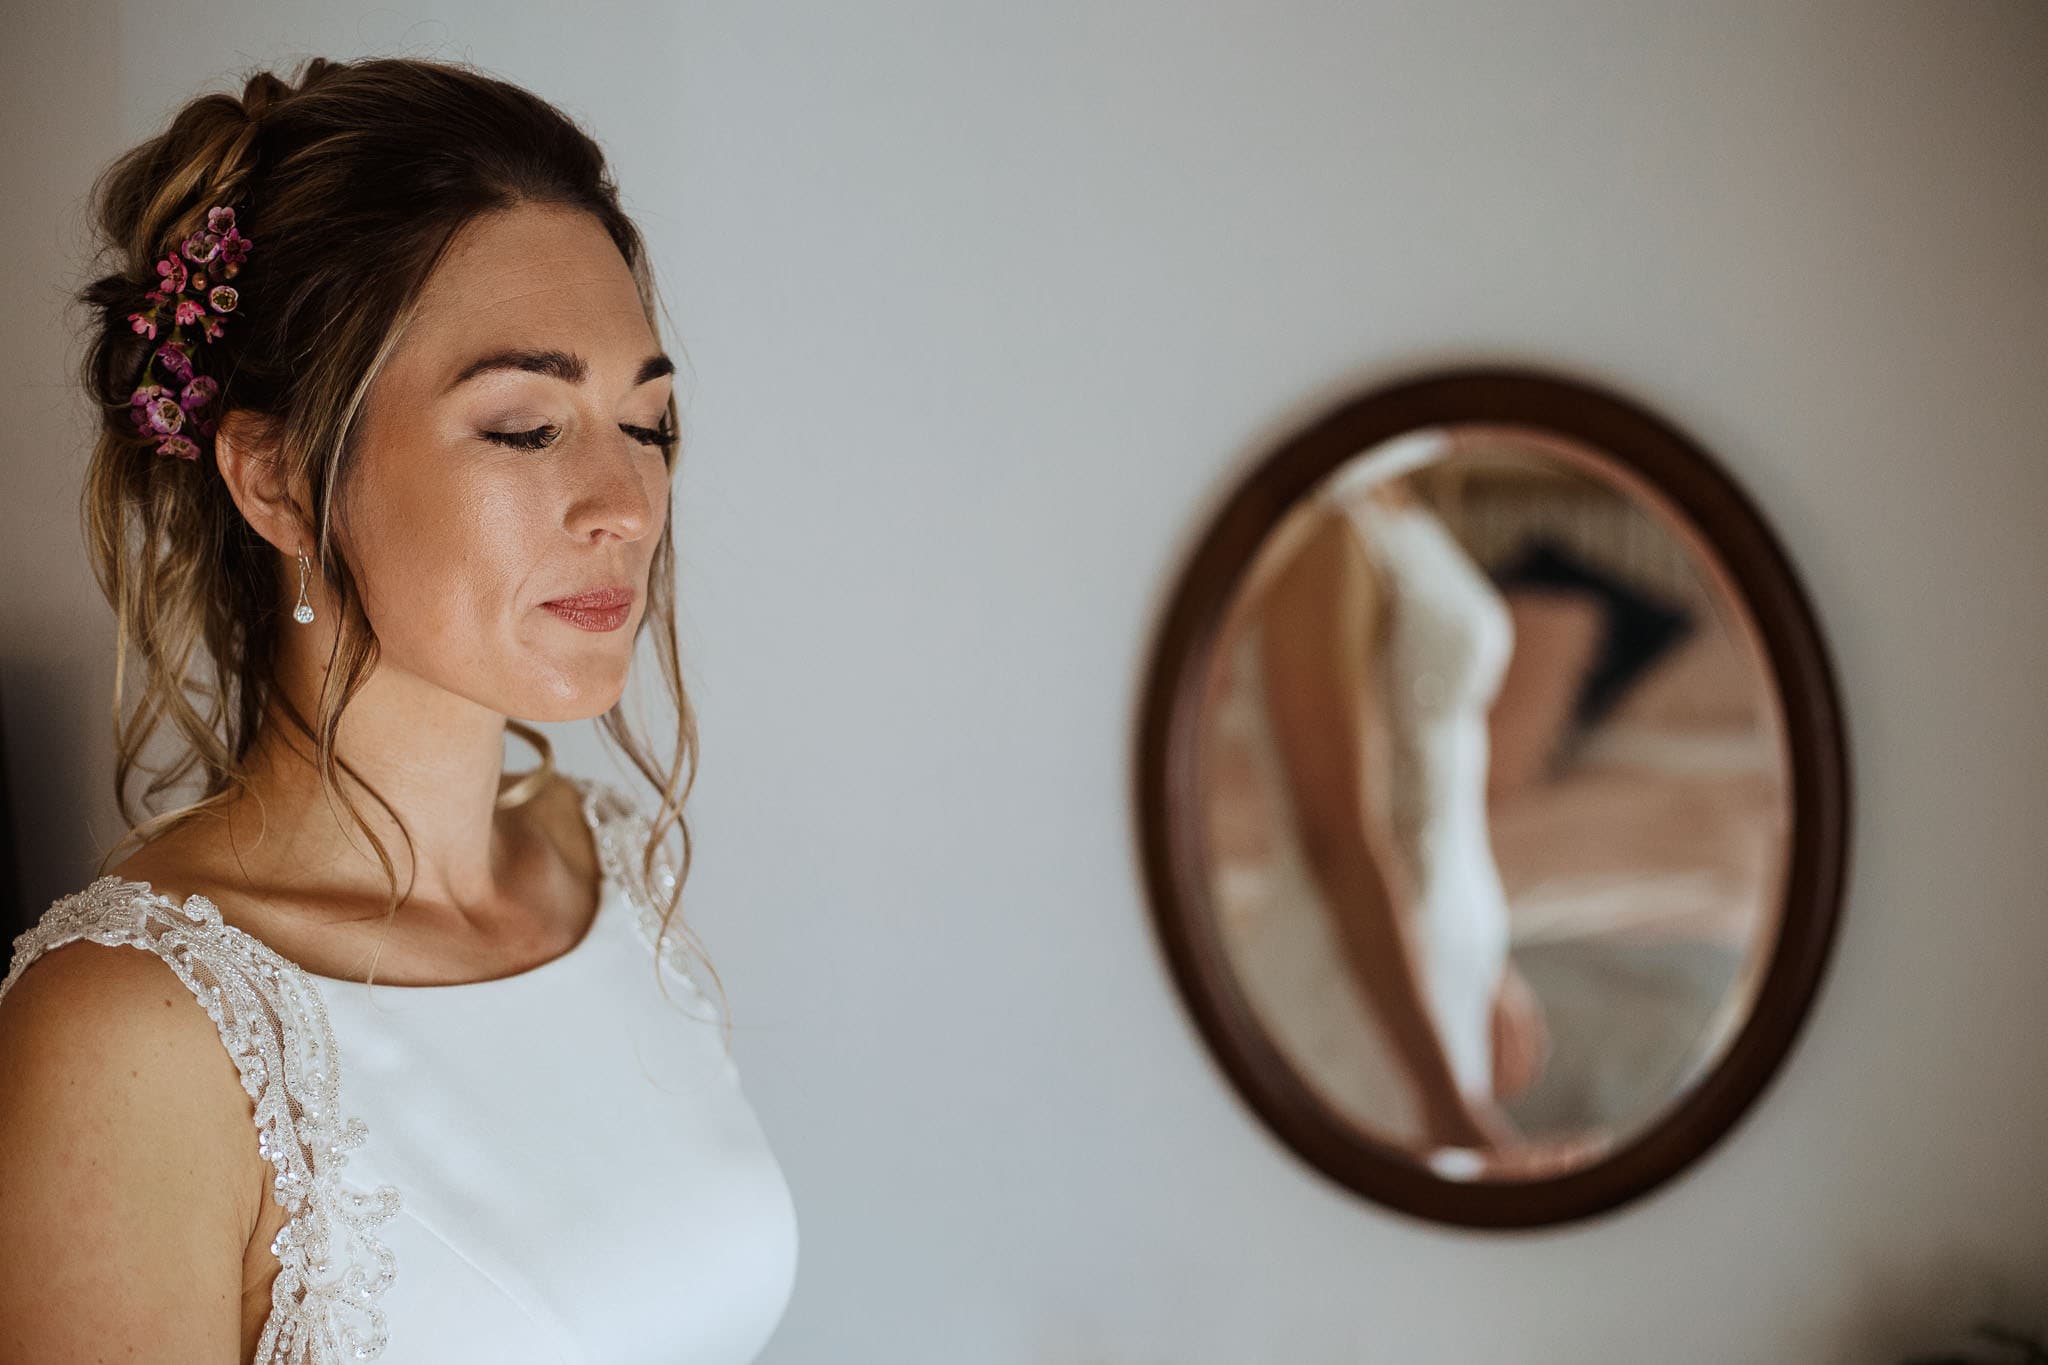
(1493, 797)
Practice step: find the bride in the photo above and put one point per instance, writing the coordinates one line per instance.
(412, 1064)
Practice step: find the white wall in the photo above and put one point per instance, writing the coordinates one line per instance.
(982, 303)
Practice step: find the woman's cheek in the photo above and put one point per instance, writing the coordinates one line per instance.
(503, 515)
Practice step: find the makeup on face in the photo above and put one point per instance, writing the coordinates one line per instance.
(597, 609)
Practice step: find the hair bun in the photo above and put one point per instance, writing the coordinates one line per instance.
(262, 93)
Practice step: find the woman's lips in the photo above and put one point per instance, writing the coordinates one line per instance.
(602, 609)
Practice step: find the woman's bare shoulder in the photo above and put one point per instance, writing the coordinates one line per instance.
(100, 1006)
(88, 1000)
(132, 1165)
(112, 1012)
(109, 1066)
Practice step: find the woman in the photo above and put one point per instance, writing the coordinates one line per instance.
(403, 479)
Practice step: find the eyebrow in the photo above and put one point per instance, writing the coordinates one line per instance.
(556, 364)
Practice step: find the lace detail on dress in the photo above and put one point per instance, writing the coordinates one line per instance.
(323, 1304)
(622, 830)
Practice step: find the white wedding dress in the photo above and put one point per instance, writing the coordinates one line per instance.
(556, 1166)
(1447, 641)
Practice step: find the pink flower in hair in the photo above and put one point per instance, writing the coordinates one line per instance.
(178, 415)
(234, 249)
(164, 416)
(203, 389)
(176, 360)
(201, 247)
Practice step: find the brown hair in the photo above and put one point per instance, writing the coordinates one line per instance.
(351, 180)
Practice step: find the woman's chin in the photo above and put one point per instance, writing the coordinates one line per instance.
(571, 689)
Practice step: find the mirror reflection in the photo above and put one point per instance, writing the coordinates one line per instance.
(1495, 800)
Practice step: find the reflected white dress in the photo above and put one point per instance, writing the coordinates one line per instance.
(1446, 647)
(556, 1166)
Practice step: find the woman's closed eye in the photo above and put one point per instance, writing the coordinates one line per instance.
(541, 436)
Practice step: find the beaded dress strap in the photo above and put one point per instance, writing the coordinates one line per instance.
(333, 1268)
(622, 828)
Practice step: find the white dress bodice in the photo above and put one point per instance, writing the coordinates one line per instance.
(557, 1167)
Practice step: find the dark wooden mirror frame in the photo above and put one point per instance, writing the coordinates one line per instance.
(1692, 485)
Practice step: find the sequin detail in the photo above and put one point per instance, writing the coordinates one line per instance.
(622, 829)
(333, 1269)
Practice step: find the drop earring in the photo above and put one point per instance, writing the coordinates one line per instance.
(302, 613)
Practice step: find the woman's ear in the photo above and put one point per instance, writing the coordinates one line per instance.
(245, 449)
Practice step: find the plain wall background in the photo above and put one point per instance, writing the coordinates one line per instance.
(983, 305)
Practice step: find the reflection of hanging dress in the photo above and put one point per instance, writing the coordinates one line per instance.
(1438, 663)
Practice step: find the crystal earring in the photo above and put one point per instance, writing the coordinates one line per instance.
(303, 612)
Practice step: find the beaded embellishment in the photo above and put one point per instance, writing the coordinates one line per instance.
(333, 1269)
(621, 829)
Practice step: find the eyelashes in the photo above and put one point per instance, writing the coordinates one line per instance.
(663, 438)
